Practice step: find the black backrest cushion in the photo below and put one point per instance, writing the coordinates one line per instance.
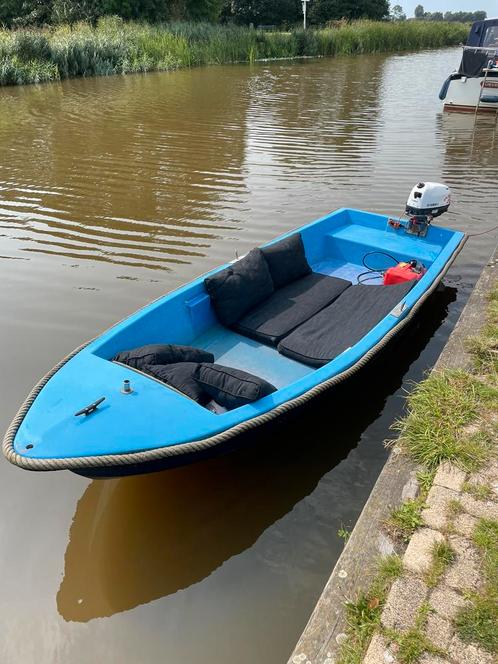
(287, 260)
(162, 354)
(180, 376)
(231, 387)
(240, 287)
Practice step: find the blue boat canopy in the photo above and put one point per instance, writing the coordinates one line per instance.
(484, 33)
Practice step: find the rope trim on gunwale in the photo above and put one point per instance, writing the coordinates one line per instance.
(192, 447)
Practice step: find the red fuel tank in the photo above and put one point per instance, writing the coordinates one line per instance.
(403, 272)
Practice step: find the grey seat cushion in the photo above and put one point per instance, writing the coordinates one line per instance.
(286, 260)
(289, 307)
(342, 324)
(231, 387)
(239, 287)
(180, 376)
(162, 354)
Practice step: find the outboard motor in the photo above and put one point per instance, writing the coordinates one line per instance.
(426, 201)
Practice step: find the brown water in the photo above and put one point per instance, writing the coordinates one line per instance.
(113, 191)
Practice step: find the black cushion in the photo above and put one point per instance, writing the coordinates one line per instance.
(240, 287)
(180, 376)
(286, 260)
(290, 306)
(342, 324)
(231, 387)
(162, 354)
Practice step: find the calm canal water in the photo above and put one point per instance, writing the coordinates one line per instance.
(113, 191)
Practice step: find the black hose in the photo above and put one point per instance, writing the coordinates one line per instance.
(375, 275)
(381, 253)
(375, 272)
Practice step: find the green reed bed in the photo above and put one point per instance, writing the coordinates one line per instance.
(116, 47)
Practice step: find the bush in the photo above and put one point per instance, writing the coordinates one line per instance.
(30, 45)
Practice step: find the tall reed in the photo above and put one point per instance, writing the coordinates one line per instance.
(116, 47)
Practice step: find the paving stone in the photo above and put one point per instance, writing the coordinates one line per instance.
(464, 573)
(378, 652)
(436, 514)
(449, 476)
(492, 469)
(432, 659)
(439, 631)
(405, 598)
(463, 653)
(487, 509)
(465, 524)
(487, 474)
(418, 555)
(446, 602)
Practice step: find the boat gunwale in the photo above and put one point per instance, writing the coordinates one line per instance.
(193, 447)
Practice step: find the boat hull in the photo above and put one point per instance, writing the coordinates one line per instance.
(463, 95)
(335, 402)
(156, 427)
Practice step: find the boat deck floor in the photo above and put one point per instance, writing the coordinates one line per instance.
(235, 350)
(339, 268)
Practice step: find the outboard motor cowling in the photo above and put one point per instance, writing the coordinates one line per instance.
(426, 201)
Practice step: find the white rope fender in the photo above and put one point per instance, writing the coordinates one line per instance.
(199, 445)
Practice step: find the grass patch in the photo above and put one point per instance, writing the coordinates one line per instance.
(478, 623)
(479, 491)
(426, 480)
(363, 615)
(344, 534)
(413, 643)
(117, 47)
(439, 410)
(405, 519)
(484, 347)
(455, 508)
(486, 538)
(442, 557)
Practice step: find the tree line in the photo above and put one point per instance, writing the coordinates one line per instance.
(21, 13)
(460, 17)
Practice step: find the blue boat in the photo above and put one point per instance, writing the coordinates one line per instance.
(183, 377)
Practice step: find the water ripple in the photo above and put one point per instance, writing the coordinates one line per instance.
(147, 171)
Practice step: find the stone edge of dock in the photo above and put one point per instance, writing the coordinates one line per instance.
(357, 564)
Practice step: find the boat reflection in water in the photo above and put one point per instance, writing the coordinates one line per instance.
(137, 539)
(466, 141)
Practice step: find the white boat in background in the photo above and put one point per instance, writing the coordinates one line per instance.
(474, 86)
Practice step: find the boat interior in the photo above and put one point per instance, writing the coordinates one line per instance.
(286, 309)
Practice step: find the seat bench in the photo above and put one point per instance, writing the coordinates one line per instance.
(289, 307)
(342, 324)
(272, 296)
